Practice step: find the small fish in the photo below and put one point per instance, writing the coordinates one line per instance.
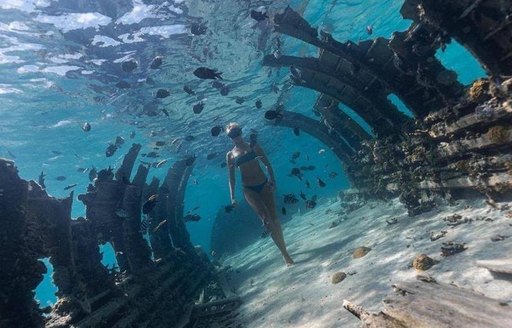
(258, 16)
(211, 156)
(161, 163)
(320, 182)
(122, 213)
(369, 29)
(295, 155)
(198, 28)
(156, 62)
(302, 195)
(295, 172)
(150, 204)
(41, 180)
(150, 81)
(215, 131)
(283, 210)
(217, 84)
(70, 186)
(224, 91)
(333, 175)
(56, 152)
(190, 138)
(60, 178)
(165, 112)
(111, 149)
(259, 104)
(86, 127)
(132, 134)
(144, 225)
(191, 217)
(239, 100)
(123, 85)
(272, 115)
(194, 209)
(152, 154)
(162, 93)
(207, 73)
(159, 225)
(308, 184)
(290, 199)
(93, 174)
(188, 90)
(274, 88)
(296, 131)
(160, 143)
(310, 204)
(129, 66)
(198, 108)
(119, 141)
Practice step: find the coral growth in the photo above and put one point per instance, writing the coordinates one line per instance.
(423, 262)
(498, 134)
(479, 91)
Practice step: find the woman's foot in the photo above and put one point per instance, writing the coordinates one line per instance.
(289, 261)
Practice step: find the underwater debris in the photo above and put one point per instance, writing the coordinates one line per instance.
(451, 248)
(338, 277)
(437, 235)
(479, 91)
(455, 220)
(361, 252)
(392, 221)
(207, 73)
(498, 134)
(423, 262)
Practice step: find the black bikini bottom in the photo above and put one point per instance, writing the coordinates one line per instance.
(257, 188)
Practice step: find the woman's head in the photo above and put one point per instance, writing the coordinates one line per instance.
(233, 130)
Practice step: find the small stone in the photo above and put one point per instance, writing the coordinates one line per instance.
(338, 277)
(423, 262)
(360, 252)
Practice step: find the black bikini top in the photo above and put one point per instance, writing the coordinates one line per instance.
(239, 160)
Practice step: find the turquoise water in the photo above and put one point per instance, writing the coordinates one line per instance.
(56, 74)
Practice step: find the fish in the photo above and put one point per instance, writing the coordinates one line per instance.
(295, 172)
(150, 204)
(156, 62)
(207, 73)
(41, 180)
(333, 175)
(60, 178)
(215, 131)
(283, 210)
(239, 100)
(123, 85)
(161, 163)
(111, 149)
(302, 195)
(160, 143)
(290, 199)
(93, 174)
(308, 168)
(70, 186)
(191, 217)
(122, 213)
(162, 93)
(129, 65)
(198, 108)
(132, 134)
(296, 131)
(211, 156)
(272, 115)
(258, 16)
(119, 141)
(310, 204)
(258, 104)
(194, 209)
(152, 154)
(274, 88)
(308, 184)
(150, 81)
(188, 90)
(198, 28)
(190, 138)
(105, 174)
(295, 155)
(56, 152)
(165, 112)
(217, 84)
(159, 225)
(320, 182)
(86, 127)
(144, 225)
(82, 169)
(369, 29)
(224, 91)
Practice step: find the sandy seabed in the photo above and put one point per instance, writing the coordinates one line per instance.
(303, 295)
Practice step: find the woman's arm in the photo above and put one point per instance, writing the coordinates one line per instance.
(231, 174)
(266, 162)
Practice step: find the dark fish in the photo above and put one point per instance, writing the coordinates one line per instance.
(223, 164)
(188, 90)
(86, 127)
(194, 209)
(207, 73)
(258, 104)
(56, 152)
(60, 178)
(310, 204)
(320, 182)
(150, 204)
(162, 93)
(132, 134)
(82, 169)
(160, 143)
(211, 156)
(228, 208)
(308, 168)
(258, 16)
(295, 155)
(41, 180)
(333, 175)
(93, 174)
(198, 108)
(159, 225)
(217, 84)
(191, 217)
(290, 199)
(70, 186)
(239, 100)
(308, 184)
(144, 225)
(123, 85)
(369, 29)
(129, 66)
(224, 91)
(302, 195)
(165, 112)
(295, 172)
(283, 210)
(215, 131)
(111, 149)
(272, 115)
(152, 154)
(189, 138)
(156, 62)
(296, 131)
(150, 81)
(119, 141)
(198, 28)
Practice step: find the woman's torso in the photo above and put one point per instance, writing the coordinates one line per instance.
(250, 169)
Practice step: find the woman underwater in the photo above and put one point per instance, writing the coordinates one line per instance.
(258, 189)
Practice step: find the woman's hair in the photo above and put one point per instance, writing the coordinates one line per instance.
(232, 125)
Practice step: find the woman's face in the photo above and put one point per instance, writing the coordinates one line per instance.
(234, 132)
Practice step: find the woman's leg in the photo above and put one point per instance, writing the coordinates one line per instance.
(258, 205)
